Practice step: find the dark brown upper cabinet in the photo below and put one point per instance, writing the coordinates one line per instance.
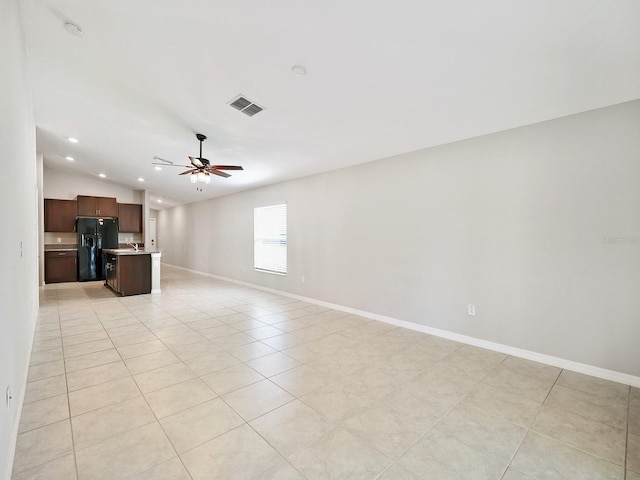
(59, 215)
(129, 217)
(97, 206)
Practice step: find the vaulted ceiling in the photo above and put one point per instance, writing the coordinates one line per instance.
(141, 77)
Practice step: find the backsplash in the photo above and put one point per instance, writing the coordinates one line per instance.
(72, 238)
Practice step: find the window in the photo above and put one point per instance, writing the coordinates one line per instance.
(270, 239)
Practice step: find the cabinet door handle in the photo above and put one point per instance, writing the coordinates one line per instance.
(61, 253)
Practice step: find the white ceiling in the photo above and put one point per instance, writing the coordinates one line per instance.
(384, 77)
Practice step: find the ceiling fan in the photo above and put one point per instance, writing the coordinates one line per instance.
(200, 168)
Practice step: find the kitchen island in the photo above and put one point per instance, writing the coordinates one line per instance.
(131, 271)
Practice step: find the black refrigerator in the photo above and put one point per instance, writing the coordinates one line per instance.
(94, 234)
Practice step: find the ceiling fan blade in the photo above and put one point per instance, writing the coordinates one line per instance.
(218, 172)
(227, 167)
(193, 170)
(172, 165)
(196, 162)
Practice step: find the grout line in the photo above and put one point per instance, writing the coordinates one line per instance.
(626, 442)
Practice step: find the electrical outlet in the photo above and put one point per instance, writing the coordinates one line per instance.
(58, 239)
(302, 279)
(471, 310)
(8, 397)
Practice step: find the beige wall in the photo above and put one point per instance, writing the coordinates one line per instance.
(19, 238)
(526, 224)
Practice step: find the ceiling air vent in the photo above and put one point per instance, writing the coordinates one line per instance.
(246, 106)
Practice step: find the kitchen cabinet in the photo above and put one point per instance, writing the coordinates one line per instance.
(59, 215)
(128, 274)
(60, 266)
(97, 206)
(129, 218)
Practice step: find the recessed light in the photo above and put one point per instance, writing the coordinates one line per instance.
(102, 175)
(158, 168)
(140, 179)
(72, 140)
(299, 70)
(71, 159)
(159, 200)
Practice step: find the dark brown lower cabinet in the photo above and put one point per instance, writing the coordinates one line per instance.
(129, 274)
(60, 266)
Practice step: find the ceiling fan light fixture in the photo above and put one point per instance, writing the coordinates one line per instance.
(193, 178)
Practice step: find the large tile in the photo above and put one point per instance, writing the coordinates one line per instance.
(396, 472)
(339, 454)
(633, 452)
(46, 356)
(170, 470)
(251, 350)
(482, 431)
(386, 429)
(301, 380)
(125, 455)
(423, 407)
(273, 364)
(196, 425)
(532, 369)
(178, 397)
(292, 427)
(102, 395)
(42, 445)
(45, 370)
(599, 409)
(96, 375)
(510, 406)
(84, 338)
(520, 383)
(163, 377)
(211, 362)
(98, 425)
(542, 457)
(151, 361)
(91, 360)
(86, 348)
(634, 411)
(63, 468)
(580, 432)
(44, 412)
(45, 388)
(231, 378)
(139, 349)
(443, 457)
(257, 399)
(225, 457)
(337, 401)
(594, 386)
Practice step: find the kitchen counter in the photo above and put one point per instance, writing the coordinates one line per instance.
(128, 251)
(60, 247)
(131, 272)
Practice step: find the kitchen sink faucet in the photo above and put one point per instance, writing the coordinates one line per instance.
(134, 245)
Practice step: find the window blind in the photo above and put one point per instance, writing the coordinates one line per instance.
(270, 239)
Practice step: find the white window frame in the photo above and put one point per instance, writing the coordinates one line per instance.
(270, 239)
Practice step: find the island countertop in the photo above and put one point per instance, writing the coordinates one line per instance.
(129, 251)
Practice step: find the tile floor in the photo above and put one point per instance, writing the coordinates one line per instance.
(212, 380)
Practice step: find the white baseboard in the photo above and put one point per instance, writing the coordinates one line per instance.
(18, 406)
(591, 370)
